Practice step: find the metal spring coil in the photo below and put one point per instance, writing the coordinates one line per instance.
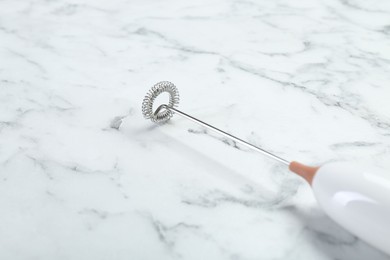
(147, 104)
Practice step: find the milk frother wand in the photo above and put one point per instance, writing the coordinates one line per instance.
(356, 198)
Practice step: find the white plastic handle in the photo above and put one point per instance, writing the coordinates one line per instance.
(356, 198)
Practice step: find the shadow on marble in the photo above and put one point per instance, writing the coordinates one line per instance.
(266, 191)
(331, 239)
(214, 167)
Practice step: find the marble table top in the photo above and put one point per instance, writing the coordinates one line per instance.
(84, 176)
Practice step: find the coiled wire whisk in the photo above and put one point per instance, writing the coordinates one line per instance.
(162, 115)
(164, 112)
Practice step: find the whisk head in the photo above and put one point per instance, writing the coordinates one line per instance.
(160, 115)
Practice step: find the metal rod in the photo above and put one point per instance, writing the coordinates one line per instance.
(236, 139)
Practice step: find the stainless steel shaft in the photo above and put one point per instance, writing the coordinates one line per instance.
(223, 133)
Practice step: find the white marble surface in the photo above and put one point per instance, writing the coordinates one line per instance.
(308, 80)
